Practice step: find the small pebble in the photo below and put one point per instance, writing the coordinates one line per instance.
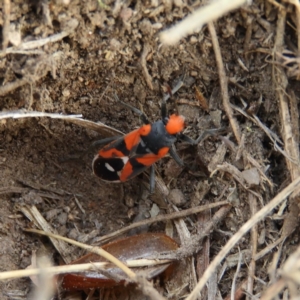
(176, 197)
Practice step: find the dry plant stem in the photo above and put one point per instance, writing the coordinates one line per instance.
(91, 294)
(241, 232)
(236, 275)
(294, 115)
(274, 290)
(75, 119)
(248, 35)
(198, 18)
(144, 66)
(13, 189)
(290, 272)
(298, 28)
(171, 216)
(92, 249)
(281, 82)
(239, 292)
(39, 43)
(272, 136)
(19, 114)
(202, 258)
(254, 237)
(193, 244)
(290, 144)
(269, 248)
(38, 187)
(181, 227)
(6, 23)
(223, 82)
(76, 268)
(12, 85)
(294, 2)
(291, 267)
(276, 4)
(212, 288)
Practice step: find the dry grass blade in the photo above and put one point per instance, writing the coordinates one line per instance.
(274, 290)
(75, 119)
(193, 244)
(19, 114)
(223, 83)
(290, 277)
(5, 28)
(70, 27)
(175, 215)
(292, 187)
(76, 268)
(198, 18)
(288, 126)
(146, 74)
(254, 237)
(51, 270)
(233, 288)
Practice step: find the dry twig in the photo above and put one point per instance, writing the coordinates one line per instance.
(146, 74)
(174, 215)
(223, 83)
(6, 23)
(70, 27)
(292, 187)
(253, 246)
(290, 144)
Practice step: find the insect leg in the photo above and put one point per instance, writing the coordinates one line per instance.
(179, 84)
(152, 179)
(137, 111)
(95, 144)
(202, 136)
(175, 156)
(103, 142)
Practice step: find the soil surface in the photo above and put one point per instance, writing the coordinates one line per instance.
(114, 48)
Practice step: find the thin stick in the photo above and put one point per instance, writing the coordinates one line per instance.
(254, 237)
(6, 23)
(78, 268)
(175, 215)
(233, 290)
(52, 270)
(39, 43)
(273, 291)
(223, 82)
(241, 232)
(18, 114)
(145, 72)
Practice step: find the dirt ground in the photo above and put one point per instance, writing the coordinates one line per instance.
(99, 49)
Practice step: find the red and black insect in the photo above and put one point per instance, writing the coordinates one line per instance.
(124, 157)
